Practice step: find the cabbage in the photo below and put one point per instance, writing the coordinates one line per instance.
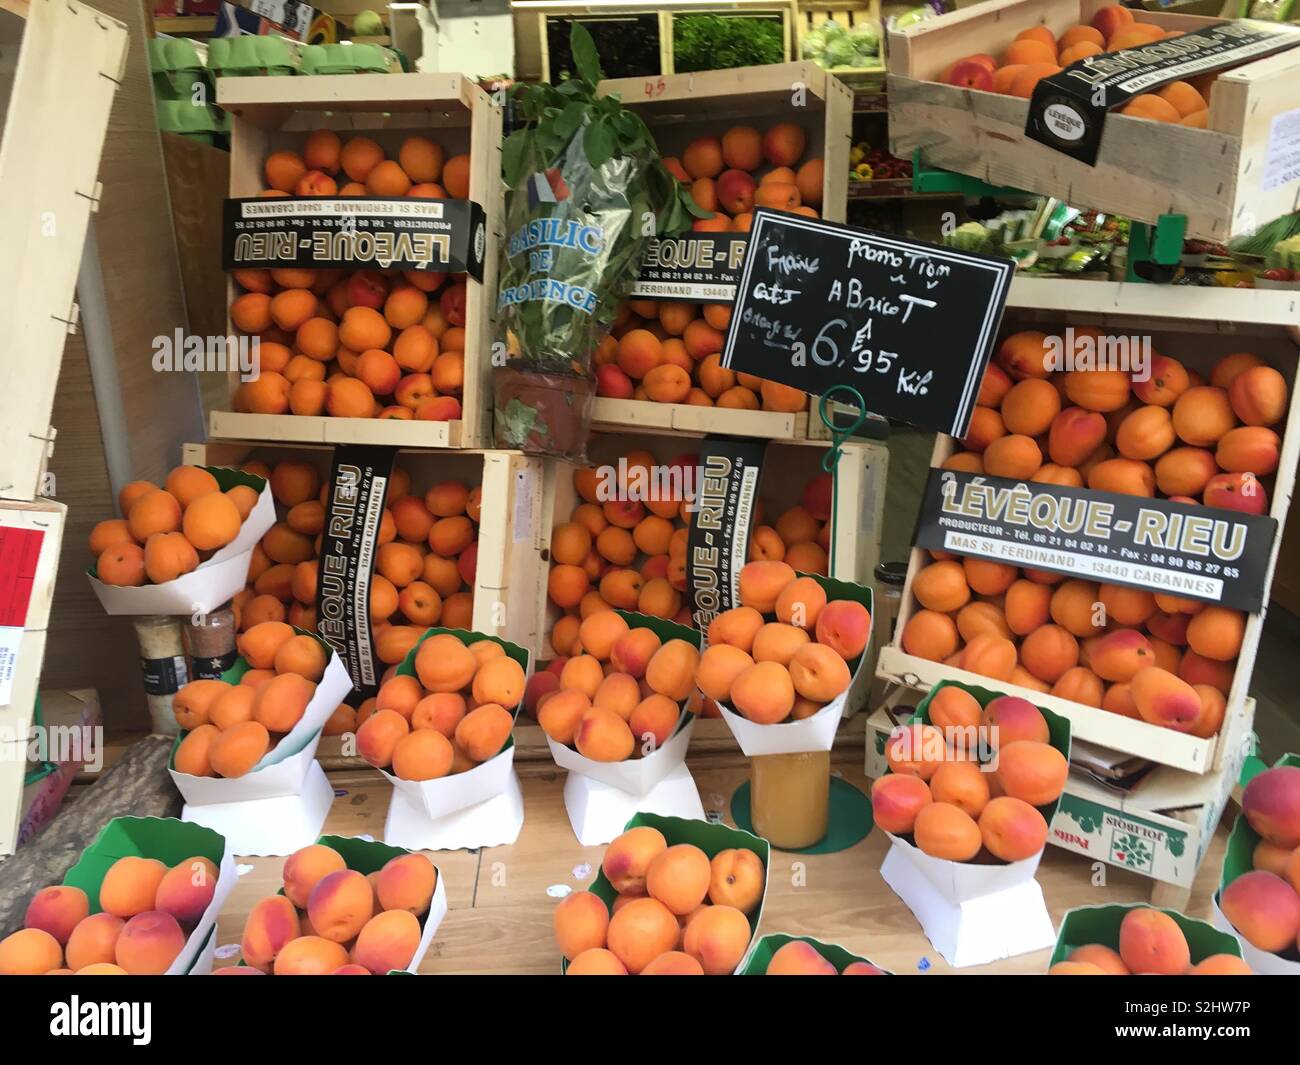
(969, 236)
(866, 37)
(912, 17)
(814, 44)
(840, 52)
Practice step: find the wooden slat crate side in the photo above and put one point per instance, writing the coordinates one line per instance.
(486, 189)
(70, 59)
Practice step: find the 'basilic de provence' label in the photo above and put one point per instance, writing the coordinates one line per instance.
(1195, 552)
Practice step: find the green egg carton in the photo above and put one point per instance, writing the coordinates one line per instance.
(348, 59)
(177, 71)
(252, 56)
(201, 122)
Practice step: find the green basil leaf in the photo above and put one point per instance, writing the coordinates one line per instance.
(585, 57)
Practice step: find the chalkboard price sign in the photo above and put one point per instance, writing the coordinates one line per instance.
(910, 325)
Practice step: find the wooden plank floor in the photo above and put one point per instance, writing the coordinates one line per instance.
(500, 913)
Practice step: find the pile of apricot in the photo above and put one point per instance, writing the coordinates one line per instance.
(798, 958)
(456, 712)
(1151, 943)
(1163, 659)
(143, 915)
(165, 533)
(958, 808)
(334, 921)
(743, 169)
(230, 727)
(784, 653)
(1264, 905)
(671, 352)
(425, 560)
(621, 691)
(620, 551)
(363, 344)
(1037, 53)
(1170, 433)
(677, 913)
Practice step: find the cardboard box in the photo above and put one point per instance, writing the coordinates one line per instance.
(74, 740)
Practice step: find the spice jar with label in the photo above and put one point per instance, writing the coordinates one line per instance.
(162, 661)
(210, 643)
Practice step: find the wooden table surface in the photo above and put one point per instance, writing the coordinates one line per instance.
(499, 919)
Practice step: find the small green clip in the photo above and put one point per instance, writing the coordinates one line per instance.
(831, 459)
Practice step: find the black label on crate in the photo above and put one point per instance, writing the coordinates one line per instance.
(910, 325)
(1218, 556)
(164, 676)
(1068, 110)
(726, 489)
(697, 267)
(358, 484)
(213, 666)
(354, 233)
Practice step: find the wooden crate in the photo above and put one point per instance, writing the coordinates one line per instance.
(19, 522)
(787, 467)
(269, 113)
(685, 106)
(508, 564)
(1144, 169)
(1198, 345)
(60, 66)
(848, 13)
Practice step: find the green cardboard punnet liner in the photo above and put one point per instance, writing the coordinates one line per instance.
(1100, 924)
(368, 856)
(169, 841)
(1239, 859)
(710, 837)
(760, 957)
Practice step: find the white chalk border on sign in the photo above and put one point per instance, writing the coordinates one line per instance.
(982, 348)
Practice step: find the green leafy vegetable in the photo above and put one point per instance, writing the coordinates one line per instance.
(716, 42)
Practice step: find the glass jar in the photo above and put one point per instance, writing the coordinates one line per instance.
(210, 643)
(162, 661)
(789, 797)
(890, 578)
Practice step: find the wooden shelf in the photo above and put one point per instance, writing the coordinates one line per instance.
(185, 24)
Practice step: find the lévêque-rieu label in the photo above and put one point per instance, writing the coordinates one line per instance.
(695, 267)
(910, 325)
(1194, 552)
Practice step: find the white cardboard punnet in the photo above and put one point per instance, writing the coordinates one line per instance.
(637, 776)
(599, 812)
(203, 937)
(432, 919)
(494, 822)
(281, 803)
(215, 582)
(202, 964)
(972, 914)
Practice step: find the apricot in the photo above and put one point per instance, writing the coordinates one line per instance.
(1220, 965)
(801, 603)
(131, 885)
(989, 656)
(797, 958)
(1264, 909)
(1258, 396)
(148, 943)
(653, 720)
(679, 878)
(776, 642)
(960, 784)
(718, 668)
(1027, 606)
(281, 702)
(340, 904)
(1271, 804)
(944, 831)
(310, 956)
(896, 799)
(1150, 942)
(425, 754)
(1202, 415)
(1217, 632)
(737, 627)
(561, 714)
(916, 750)
(931, 635)
(1010, 719)
(484, 730)
(29, 952)
(1080, 685)
(1032, 771)
(954, 707)
(717, 938)
(57, 910)
(627, 859)
(94, 940)
(235, 751)
(596, 962)
(844, 625)
(818, 673)
(603, 736)
(642, 930)
(736, 878)
(187, 889)
(620, 693)
(671, 670)
(764, 693)
(581, 921)
(1120, 654)
(444, 664)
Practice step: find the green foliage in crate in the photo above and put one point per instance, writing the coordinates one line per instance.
(715, 42)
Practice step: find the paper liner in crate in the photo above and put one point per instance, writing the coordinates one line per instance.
(368, 856)
(482, 807)
(216, 581)
(1238, 859)
(815, 733)
(712, 839)
(171, 842)
(600, 796)
(281, 803)
(762, 949)
(1086, 925)
(972, 913)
